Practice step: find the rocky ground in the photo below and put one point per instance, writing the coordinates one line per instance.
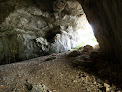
(80, 70)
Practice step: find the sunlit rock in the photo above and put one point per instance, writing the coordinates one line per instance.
(31, 31)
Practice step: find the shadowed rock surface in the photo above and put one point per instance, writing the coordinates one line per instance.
(39, 27)
(31, 30)
(105, 18)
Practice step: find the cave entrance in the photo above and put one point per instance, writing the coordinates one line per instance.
(87, 37)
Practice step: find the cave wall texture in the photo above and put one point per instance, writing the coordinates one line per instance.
(105, 16)
(30, 28)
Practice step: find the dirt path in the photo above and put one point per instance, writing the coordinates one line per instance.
(45, 75)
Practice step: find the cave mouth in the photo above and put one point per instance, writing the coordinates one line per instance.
(87, 37)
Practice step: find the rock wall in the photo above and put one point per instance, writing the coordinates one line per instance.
(36, 28)
(105, 18)
(30, 28)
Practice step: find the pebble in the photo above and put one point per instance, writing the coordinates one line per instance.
(2, 86)
(50, 58)
(54, 54)
(106, 85)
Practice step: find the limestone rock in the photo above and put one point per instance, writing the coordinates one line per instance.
(50, 58)
(29, 31)
(22, 22)
(73, 8)
(87, 48)
(81, 63)
(75, 53)
(107, 86)
(59, 5)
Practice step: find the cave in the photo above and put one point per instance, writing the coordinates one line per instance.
(36, 31)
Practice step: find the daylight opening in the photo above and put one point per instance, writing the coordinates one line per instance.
(87, 36)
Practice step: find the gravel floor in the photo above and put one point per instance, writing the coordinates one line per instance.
(53, 73)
